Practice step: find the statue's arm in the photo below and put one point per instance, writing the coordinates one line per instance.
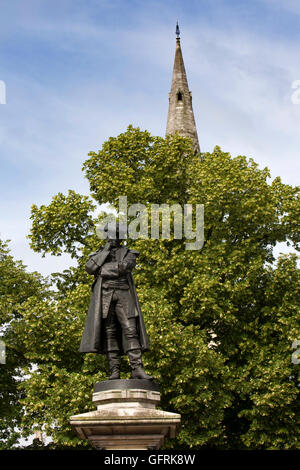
(91, 266)
(96, 260)
(113, 269)
(110, 270)
(128, 262)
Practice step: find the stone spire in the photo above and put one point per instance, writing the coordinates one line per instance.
(181, 115)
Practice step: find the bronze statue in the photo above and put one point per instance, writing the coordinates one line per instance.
(115, 324)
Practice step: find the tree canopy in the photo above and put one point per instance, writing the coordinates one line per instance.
(17, 286)
(221, 320)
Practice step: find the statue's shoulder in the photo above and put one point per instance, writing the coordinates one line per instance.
(92, 254)
(134, 252)
(96, 252)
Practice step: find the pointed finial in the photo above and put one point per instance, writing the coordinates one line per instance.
(177, 31)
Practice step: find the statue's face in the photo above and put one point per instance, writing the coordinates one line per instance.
(114, 243)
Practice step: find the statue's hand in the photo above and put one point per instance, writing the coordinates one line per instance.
(122, 267)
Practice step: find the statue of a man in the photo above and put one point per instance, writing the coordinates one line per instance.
(115, 324)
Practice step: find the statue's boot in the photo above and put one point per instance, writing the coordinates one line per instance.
(113, 364)
(137, 371)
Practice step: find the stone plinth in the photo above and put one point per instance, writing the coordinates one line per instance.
(126, 417)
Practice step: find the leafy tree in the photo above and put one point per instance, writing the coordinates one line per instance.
(16, 287)
(221, 320)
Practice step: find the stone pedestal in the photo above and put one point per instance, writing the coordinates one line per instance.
(126, 417)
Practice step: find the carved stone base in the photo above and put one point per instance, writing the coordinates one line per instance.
(126, 417)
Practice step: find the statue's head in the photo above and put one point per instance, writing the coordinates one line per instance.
(114, 232)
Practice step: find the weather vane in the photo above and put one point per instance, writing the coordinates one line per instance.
(177, 30)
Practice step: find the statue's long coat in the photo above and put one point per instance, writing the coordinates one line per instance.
(93, 338)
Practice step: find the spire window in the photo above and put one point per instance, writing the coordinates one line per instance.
(179, 96)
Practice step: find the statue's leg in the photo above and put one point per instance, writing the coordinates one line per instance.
(112, 347)
(137, 371)
(132, 345)
(113, 358)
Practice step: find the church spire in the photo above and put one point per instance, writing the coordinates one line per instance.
(181, 115)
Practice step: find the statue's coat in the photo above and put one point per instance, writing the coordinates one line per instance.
(93, 338)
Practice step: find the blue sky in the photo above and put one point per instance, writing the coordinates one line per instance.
(77, 72)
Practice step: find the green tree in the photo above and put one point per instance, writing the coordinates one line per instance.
(16, 287)
(221, 320)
